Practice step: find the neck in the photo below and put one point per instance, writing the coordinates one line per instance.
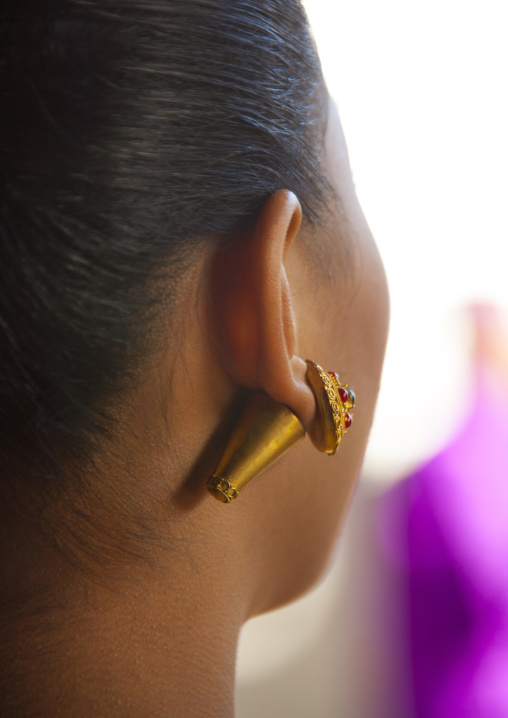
(131, 652)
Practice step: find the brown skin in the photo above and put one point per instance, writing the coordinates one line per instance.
(158, 637)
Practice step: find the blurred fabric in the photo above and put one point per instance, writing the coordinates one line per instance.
(444, 531)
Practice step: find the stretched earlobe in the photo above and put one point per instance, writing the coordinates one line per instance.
(266, 430)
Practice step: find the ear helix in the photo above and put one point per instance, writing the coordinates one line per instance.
(266, 430)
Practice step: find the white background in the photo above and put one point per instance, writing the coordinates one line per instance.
(422, 93)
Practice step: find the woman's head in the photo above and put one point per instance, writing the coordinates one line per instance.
(157, 158)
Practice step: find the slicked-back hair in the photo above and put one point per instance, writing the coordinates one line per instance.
(131, 131)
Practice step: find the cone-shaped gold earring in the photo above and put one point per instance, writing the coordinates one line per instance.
(266, 430)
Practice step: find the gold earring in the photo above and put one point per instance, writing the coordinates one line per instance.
(334, 403)
(266, 430)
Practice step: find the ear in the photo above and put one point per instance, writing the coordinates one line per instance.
(253, 310)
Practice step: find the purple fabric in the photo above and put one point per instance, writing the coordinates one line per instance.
(446, 528)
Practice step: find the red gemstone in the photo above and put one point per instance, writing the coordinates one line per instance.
(344, 394)
(349, 421)
(333, 375)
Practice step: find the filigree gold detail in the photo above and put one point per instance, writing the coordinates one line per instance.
(340, 409)
(222, 489)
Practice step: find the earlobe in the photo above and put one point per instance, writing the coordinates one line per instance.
(267, 429)
(254, 312)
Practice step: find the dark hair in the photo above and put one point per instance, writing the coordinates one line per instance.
(130, 132)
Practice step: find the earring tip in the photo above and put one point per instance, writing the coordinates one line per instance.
(221, 489)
